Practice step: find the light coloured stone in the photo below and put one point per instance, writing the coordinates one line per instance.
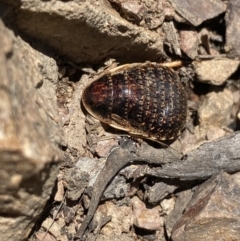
(215, 109)
(121, 218)
(146, 218)
(29, 134)
(189, 42)
(97, 31)
(215, 71)
(168, 205)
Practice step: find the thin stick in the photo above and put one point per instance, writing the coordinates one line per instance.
(174, 64)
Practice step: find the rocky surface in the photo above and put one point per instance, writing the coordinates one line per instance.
(216, 71)
(199, 12)
(213, 211)
(232, 29)
(30, 134)
(97, 31)
(110, 186)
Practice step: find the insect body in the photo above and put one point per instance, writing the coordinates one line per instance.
(146, 100)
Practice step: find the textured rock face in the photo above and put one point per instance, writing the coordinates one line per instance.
(29, 134)
(97, 31)
(213, 212)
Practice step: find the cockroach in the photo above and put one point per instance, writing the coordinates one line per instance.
(146, 100)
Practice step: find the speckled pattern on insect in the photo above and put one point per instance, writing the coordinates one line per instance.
(146, 100)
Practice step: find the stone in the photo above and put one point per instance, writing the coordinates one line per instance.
(172, 38)
(200, 11)
(232, 46)
(75, 181)
(59, 195)
(51, 22)
(121, 218)
(213, 212)
(114, 237)
(167, 205)
(104, 146)
(215, 71)
(54, 227)
(208, 132)
(160, 190)
(181, 202)
(30, 134)
(91, 166)
(118, 188)
(189, 43)
(72, 116)
(215, 109)
(213, 132)
(146, 218)
(132, 10)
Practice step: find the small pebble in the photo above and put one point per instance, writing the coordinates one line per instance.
(216, 107)
(146, 218)
(215, 71)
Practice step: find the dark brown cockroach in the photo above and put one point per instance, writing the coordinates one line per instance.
(146, 100)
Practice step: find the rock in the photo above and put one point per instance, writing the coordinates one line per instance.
(160, 190)
(121, 220)
(91, 166)
(167, 205)
(132, 10)
(206, 37)
(232, 46)
(215, 109)
(114, 237)
(146, 218)
(189, 42)
(214, 132)
(118, 188)
(213, 212)
(181, 202)
(52, 21)
(208, 132)
(72, 116)
(54, 227)
(44, 236)
(30, 133)
(200, 11)
(215, 71)
(172, 39)
(190, 141)
(148, 14)
(59, 195)
(105, 145)
(75, 181)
